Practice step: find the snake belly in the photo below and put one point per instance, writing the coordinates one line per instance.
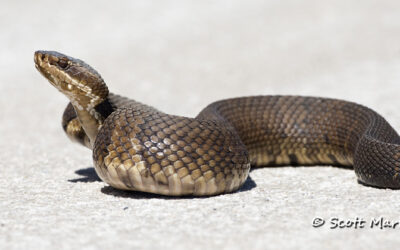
(137, 147)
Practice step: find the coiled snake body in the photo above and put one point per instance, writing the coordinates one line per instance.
(137, 147)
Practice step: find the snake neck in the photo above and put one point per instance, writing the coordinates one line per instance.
(92, 118)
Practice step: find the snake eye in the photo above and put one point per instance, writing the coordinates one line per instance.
(62, 63)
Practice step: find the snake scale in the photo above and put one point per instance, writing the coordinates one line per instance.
(137, 147)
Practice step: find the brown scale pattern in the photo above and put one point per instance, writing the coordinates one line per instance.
(292, 130)
(141, 148)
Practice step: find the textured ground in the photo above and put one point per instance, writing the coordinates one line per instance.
(179, 56)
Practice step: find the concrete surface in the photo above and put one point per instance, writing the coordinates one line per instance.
(179, 56)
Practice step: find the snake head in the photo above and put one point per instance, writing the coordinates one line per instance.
(73, 77)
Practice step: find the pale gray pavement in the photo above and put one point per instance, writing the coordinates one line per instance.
(179, 56)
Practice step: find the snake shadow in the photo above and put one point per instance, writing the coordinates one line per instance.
(88, 175)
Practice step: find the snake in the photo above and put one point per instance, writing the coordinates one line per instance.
(138, 147)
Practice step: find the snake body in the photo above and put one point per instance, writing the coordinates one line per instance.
(137, 147)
